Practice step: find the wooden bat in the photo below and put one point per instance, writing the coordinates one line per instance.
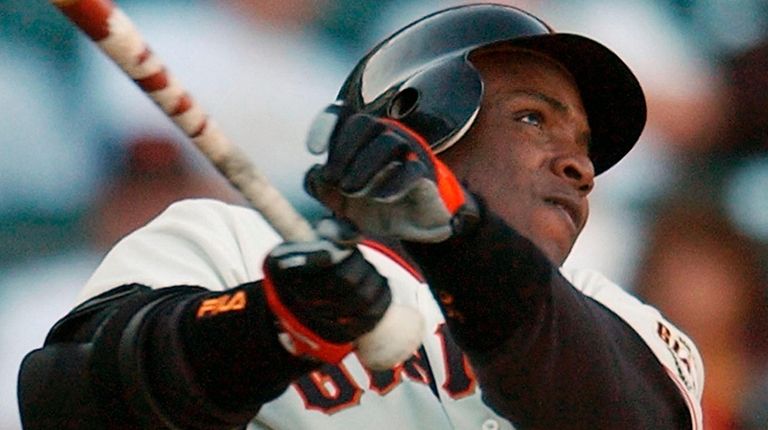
(398, 334)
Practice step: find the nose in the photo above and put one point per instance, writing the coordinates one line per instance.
(577, 170)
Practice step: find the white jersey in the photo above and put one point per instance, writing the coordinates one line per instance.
(219, 246)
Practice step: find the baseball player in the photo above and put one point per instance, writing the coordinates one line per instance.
(462, 152)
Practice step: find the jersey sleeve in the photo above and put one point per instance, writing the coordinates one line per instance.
(194, 242)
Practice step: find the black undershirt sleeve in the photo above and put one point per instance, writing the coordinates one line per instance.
(546, 355)
(135, 357)
(219, 366)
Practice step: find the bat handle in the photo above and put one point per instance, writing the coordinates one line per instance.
(397, 335)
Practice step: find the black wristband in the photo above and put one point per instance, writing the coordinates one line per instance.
(231, 341)
(119, 379)
(488, 280)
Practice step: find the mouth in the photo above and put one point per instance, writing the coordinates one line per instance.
(570, 208)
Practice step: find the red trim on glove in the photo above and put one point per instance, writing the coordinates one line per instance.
(449, 187)
(305, 341)
(451, 191)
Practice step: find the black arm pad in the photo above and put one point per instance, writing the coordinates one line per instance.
(73, 381)
(140, 358)
(93, 371)
(55, 391)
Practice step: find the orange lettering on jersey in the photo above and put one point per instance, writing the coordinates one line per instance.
(681, 352)
(222, 304)
(384, 381)
(329, 389)
(460, 380)
(416, 368)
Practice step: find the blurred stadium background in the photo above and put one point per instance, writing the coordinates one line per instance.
(682, 221)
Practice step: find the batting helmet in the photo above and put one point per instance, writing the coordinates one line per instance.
(422, 76)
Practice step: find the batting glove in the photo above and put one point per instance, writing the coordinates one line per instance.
(385, 178)
(324, 294)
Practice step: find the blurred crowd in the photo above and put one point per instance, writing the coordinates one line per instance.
(682, 221)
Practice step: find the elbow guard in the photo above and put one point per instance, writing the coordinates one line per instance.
(88, 374)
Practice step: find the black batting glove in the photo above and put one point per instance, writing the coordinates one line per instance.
(385, 178)
(324, 294)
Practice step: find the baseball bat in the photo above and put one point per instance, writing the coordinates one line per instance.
(398, 334)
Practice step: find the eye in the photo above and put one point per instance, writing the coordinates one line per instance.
(531, 118)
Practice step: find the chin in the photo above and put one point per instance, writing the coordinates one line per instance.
(552, 250)
(563, 255)
(555, 244)
(547, 231)
(556, 247)
(557, 255)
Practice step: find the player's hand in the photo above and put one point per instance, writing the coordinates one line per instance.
(324, 294)
(385, 178)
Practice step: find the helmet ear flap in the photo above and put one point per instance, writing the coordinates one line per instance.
(439, 103)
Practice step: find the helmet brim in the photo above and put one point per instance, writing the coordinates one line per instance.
(612, 96)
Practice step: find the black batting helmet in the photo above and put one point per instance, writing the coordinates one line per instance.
(422, 76)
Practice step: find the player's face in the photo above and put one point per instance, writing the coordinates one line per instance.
(526, 154)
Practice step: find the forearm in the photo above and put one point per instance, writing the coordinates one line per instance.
(490, 282)
(218, 355)
(580, 367)
(151, 362)
(546, 355)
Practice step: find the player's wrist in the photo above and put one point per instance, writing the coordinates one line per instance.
(300, 340)
(324, 295)
(230, 343)
(479, 278)
(467, 218)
